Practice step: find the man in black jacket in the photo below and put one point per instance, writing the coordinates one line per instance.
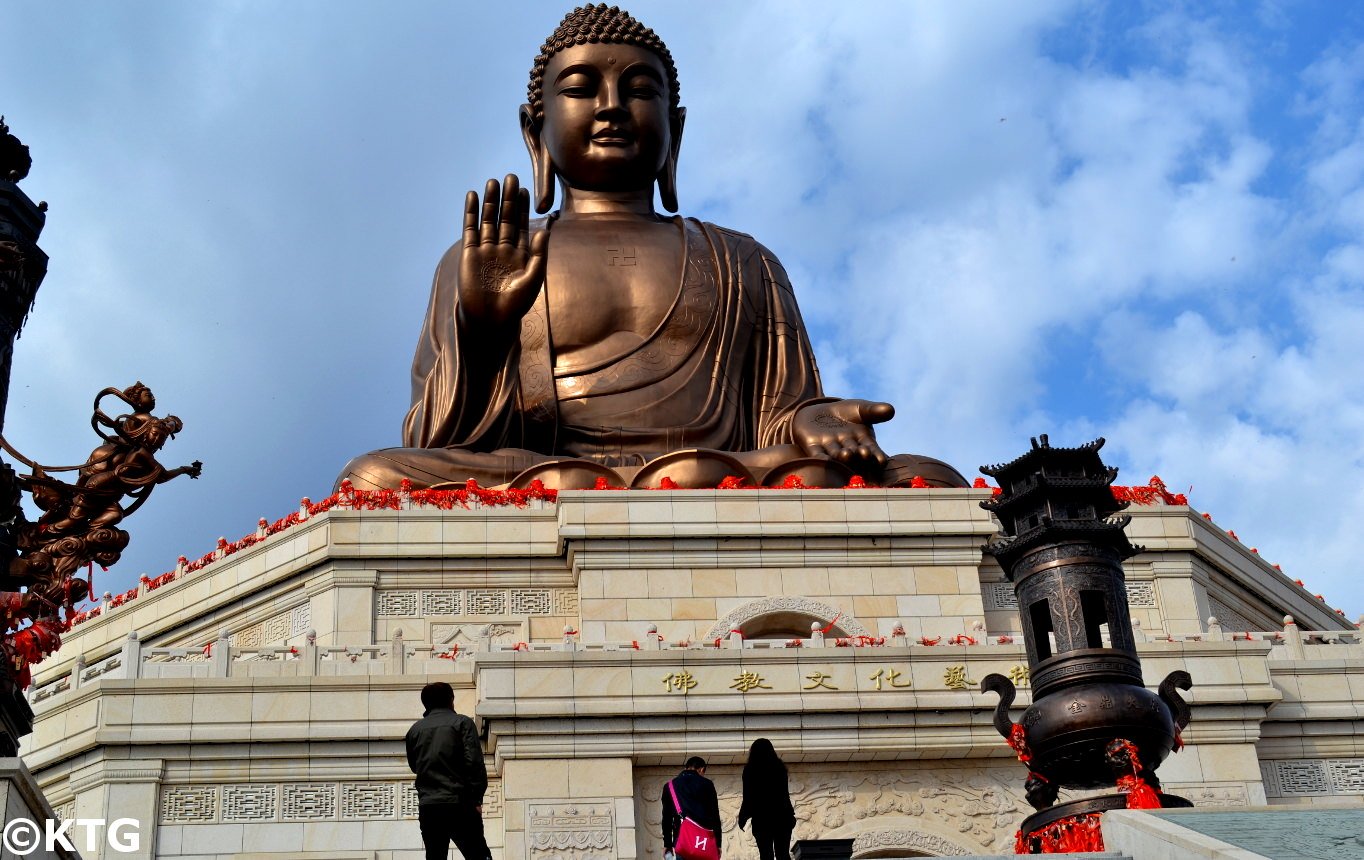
(444, 752)
(696, 794)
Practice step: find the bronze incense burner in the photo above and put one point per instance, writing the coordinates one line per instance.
(1092, 722)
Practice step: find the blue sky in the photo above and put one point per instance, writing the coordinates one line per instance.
(1141, 221)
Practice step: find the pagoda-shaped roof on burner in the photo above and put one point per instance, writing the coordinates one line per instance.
(1053, 495)
(1032, 459)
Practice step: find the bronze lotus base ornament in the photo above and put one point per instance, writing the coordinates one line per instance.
(690, 469)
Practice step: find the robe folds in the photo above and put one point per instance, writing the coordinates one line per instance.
(726, 369)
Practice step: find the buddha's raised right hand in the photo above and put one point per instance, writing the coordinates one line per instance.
(501, 266)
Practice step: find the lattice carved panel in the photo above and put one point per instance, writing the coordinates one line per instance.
(999, 595)
(66, 811)
(487, 602)
(300, 619)
(273, 630)
(530, 601)
(565, 601)
(397, 603)
(250, 802)
(1303, 778)
(1347, 775)
(362, 800)
(189, 804)
(492, 800)
(1141, 594)
(314, 801)
(408, 801)
(447, 602)
(1229, 618)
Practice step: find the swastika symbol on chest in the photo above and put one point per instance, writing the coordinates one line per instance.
(618, 253)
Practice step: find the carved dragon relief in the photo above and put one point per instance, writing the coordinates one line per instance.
(951, 811)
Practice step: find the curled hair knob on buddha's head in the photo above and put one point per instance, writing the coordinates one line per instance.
(592, 24)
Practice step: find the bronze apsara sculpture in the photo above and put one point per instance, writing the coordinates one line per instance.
(79, 522)
(607, 342)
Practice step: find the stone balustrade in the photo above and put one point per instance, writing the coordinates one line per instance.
(220, 659)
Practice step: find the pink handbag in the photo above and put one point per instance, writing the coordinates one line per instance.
(694, 842)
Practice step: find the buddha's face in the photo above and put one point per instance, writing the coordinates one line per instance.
(606, 122)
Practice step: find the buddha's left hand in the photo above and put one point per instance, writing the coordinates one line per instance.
(841, 430)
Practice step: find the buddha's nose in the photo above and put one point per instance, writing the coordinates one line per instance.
(608, 98)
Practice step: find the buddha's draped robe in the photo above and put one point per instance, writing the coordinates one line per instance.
(726, 369)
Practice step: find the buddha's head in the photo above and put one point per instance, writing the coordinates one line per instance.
(603, 110)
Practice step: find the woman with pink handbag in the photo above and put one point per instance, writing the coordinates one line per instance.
(691, 814)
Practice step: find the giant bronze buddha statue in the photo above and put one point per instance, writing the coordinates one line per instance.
(607, 340)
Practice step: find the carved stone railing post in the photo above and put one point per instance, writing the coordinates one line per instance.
(310, 652)
(132, 656)
(816, 635)
(652, 640)
(397, 654)
(221, 658)
(1214, 629)
(1292, 638)
(77, 670)
(897, 634)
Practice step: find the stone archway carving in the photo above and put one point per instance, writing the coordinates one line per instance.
(845, 624)
(899, 842)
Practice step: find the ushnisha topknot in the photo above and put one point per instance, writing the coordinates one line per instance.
(597, 23)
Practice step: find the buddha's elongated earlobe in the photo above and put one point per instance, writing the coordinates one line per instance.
(667, 178)
(541, 165)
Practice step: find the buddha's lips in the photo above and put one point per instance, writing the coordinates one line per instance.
(613, 136)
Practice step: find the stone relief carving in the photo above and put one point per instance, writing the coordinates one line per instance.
(409, 603)
(1212, 795)
(314, 801)
(768, 605)
(977, 808)
(571, 830)
(465, 634)
(907, 839)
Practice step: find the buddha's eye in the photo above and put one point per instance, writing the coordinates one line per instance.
(576, 87)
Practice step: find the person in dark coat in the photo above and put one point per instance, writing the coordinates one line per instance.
(444, 752)
(699, 803)
(767, 802)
